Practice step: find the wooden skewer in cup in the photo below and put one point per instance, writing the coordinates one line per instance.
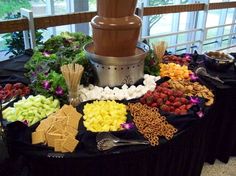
(72, 74)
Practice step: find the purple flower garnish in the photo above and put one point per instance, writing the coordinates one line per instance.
(187, 57)
(46, 54)
(59, 91)
(33, 74)
(152, 62)
(127, 126)
(25, 122)
(193, 76)
(200, 114)
(46, 85)
(38, 68)
(194, 100)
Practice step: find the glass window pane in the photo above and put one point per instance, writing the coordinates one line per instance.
(230, 15)
(38, 8)
(92, 5)
(213, 18)
(60, 6)
(227, 30)
(183, 21)
(163, 24)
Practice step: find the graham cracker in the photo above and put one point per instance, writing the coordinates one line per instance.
(73, 132)
(70, 143)
(51, 137)
(38, 137)
(58, 145)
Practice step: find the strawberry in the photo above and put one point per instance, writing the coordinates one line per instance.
(177, 104)
(159, 101)
(168, 103)
(8, 87)
(172, 108)
(162, 95)
(149, 92)
(177, 111)
(25, 90)
(158, 89)
(177, 99)
(142, 100)
(165, 108)
(189, 106)
(183, 107)
(18, 85)
(156, 96)
(165, 84)
(149, 100)
(154, 105)
(183, 100)
(170, 92)
(179, 93)
(171, 98)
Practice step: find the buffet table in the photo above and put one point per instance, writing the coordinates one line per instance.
(198, 140)
(183, 155)
(222, 123)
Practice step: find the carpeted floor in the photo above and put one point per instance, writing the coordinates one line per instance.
(220, 169)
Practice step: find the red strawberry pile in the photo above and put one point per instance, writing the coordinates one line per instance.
(176, 59)
(167, 99)
(12, 90)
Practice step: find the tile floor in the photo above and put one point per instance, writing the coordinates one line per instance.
(220, 169)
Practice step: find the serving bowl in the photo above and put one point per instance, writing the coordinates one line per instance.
(218, 61)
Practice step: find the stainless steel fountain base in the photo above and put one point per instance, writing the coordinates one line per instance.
(116, 71)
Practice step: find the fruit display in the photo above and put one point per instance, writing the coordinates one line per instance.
(59, 130)
(101, 116)
(31, 110)
(167, 99)
(175, 71)
(13, 90)
(193, 89)
(176, 59)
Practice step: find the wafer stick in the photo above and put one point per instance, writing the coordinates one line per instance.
(72, 74)
(159, 49)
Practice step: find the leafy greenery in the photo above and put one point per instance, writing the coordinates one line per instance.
(11, 6)
(151, 65)
(44, 66)
(55, 80)
(15, 41)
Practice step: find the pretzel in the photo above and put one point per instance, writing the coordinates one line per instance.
(150, 123)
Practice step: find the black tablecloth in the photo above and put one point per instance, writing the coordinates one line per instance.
(222, 121)
(182, 156)
(13, 70)
(208, 138)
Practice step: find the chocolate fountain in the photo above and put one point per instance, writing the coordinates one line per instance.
(115, 53)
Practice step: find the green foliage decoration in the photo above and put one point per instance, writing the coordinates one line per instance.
(15, 40)
(151, 64)
(43, 69)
